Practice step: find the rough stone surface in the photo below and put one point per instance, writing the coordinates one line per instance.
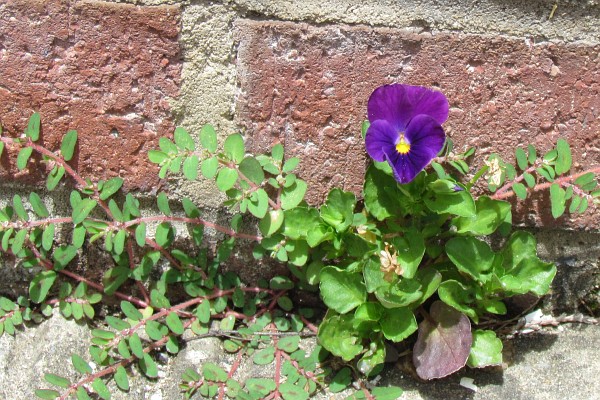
(106, 70)
(572, 20)
(555, 363)
(307, 87)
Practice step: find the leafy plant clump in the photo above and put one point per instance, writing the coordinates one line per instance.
(405, 262)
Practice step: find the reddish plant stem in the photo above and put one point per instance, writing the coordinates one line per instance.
(234, 367)
(48, 265)
(198, 221)
(309, 324)
(113, 368)
(139, 284)
(504, 193)
(307, 374)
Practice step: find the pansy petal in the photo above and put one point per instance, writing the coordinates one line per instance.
(428, 102)
(404, 170)
(380, 137)
(426, 137)
(390, 103)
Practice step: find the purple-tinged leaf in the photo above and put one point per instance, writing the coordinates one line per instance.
(444, 342)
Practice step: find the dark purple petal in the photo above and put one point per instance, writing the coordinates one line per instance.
(390, 103)
(403, 168)
(428, 102)
(426, 138)
(398, 104)
(380, 137)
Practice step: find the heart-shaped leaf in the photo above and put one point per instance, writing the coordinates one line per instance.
(444, 342)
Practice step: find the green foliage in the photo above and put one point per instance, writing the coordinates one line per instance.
(397, 263)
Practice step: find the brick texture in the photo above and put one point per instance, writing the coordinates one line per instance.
(307, 87)
(104, 69)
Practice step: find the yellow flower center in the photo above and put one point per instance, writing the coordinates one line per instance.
(402, 146)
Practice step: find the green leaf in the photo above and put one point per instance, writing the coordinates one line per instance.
(259, 203)
(183, 140)
(271, 222)
(252, 170)
(459, 297)
(19, 209)
(264, 356)
(80, 364)
(585, 179)
(381, 194)
(111, 187)
(140, 234)
(520, 190)
(190, 167)
(293, 195)
(524, 271)
(33, 127)
(116, 323)
(260, 387)
(226, 179)
(341, 290)
(148, 366)
(398, 323)
(100, 387)
(486, 349)
(1, 143)
(557, 200)
(136, 345)
(163, 203)
(444, 198)
(290, 391)
(157, 156)
(174, 323)
(57, 380)
(290, 164)
(23, 157)
(471, 256)
(63, 255)
(40, 285)
(341, 380)
(234, 147)
(489, 216)
(119, 241)
(159, 300)
(131, 311)
(386, 393)
(203, 311)
(531, 154)
(337, 334)
(529, 179)
(209, 167)
(18, 241)
(213, 372)
(47, 394)
(563, 160)
(82, 209)
(289, 344)
(208, 138)
(82, 394)
(38, 206)
(164, 235)
(54, 177)
(410, 250)
(521, 158)
(121, 378)
(67, 147)
(338, 210)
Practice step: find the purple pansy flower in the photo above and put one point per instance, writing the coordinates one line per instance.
(406, 127)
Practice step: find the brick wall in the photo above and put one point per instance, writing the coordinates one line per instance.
(124, 75)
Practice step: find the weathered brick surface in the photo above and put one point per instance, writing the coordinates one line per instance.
(307, 87)
(106, 70)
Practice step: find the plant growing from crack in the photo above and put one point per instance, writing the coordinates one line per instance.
(405, 261)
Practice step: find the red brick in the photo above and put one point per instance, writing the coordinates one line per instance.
(307, 87)
(103, 69)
